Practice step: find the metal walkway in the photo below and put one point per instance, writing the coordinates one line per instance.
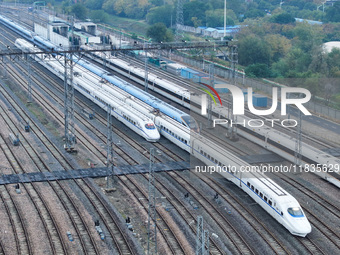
(90, 172)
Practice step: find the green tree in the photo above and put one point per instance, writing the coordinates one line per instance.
(333, 62)
(94, 4)
(108, 6)
(258, 70)
(333, 13)
(283, 18)
(254, 13)
(79, 10)
(215, 18)
(159, 33)
(160, 14)
(279, 45)
(253, 50)
(99, 16)
(194, 9)
(307, 36)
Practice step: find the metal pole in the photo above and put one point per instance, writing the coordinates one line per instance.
(146, 82)
(70, 138)
(29, 80)
(298, 142)
(152, 204)
(212, 83)
(225, 17)
(109, 156)
(206, 243)
(199, 236)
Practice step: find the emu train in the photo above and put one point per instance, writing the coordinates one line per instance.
(270, 196)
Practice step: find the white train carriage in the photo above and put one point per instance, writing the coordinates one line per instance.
(266, 136)
(157, 84)
(271, 197)
(136, 121)
(274, 199)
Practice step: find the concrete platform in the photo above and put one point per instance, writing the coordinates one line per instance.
(90, 173)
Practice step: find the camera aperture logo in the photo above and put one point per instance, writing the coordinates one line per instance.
(239, 101)
(204, 102)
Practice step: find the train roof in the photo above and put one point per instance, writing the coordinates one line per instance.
(266, 182)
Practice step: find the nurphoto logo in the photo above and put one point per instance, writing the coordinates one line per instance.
(239, 101)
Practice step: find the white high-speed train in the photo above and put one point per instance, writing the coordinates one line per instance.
(136, 121)
(277, 202)
(266, 136)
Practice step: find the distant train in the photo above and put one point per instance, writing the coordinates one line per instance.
(136, 121)
(270, 196)
(276, 201)
(266, 136)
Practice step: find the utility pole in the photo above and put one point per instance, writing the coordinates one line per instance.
(152, 204)
(70, 138)
(225, 18)
(206, 243)
(298, 142)
(29, 79)
(212, 83)
(179, 20)
(199, 236)
(146, 81)
(109, 156)
(234, 61)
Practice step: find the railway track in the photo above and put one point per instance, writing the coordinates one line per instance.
(60, 157)
(329, 231)
(69, 204)
(141, 150)
(127, 158)
(252, 220)
(240, 245)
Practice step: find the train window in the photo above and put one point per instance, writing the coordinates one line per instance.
(212, 159)
(274, 203)
(248, 183)
(252, 187)
(149, 126)
(186, 141)
(265, 198)
(216, 161)
(200, 151)
(257, 191)
(270, 202)
(261, 195)
(205, 154)
(295, 211)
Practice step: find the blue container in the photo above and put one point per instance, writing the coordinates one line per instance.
(188, 73)
(199, 77)
(217, 86)
(260, 100)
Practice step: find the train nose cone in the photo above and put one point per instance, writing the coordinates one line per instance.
(302, 228)
(153, 136)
